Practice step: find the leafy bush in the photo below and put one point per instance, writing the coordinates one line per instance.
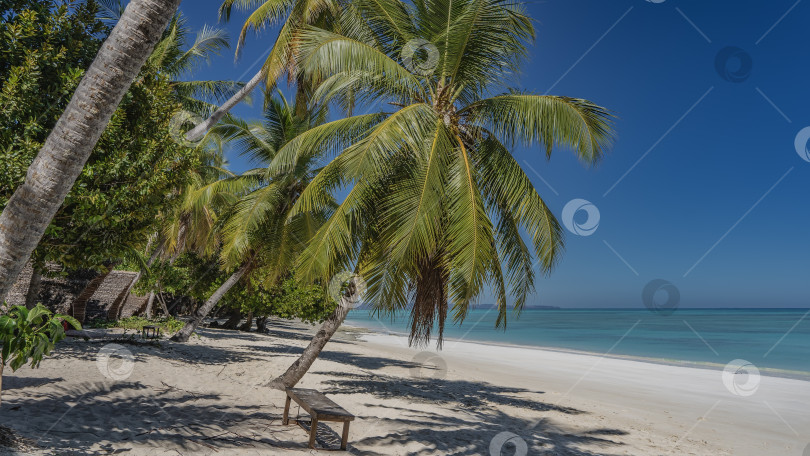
(28, 335)
(167, 325)
(288, 300)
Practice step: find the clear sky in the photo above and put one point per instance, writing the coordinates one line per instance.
(704, 187)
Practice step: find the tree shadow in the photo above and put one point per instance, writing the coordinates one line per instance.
(485, 417)
(13, 382)
(102, 417)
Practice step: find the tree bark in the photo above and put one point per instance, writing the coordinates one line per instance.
(233, 320)
(198, 132)
(149, 302)
(62, 157)
(163, 304)
(184, 334)
(34, 285)
(248, 323)
(300, 367)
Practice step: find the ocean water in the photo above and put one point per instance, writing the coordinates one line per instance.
(777, 339)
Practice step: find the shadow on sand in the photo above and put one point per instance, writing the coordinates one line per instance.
(102, 417)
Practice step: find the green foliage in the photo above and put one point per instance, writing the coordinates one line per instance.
(438, 209)
(136, 166)
(289, 300)
(167, 325)
(190, 275)
(29, 335)
(44, 50)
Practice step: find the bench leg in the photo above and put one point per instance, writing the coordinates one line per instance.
(286, 419)
(312, 432)
(345, 439)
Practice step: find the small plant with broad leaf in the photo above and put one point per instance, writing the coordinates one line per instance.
(29, 335)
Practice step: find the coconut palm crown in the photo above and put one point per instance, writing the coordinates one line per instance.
(437, 208)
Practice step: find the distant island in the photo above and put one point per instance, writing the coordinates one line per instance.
(493, 306)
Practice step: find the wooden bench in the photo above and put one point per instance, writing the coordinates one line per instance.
(320, 408)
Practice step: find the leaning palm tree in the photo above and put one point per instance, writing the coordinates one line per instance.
(176, 56)
(342, 16)
(258, 236)
(62, 157)
(437, 205)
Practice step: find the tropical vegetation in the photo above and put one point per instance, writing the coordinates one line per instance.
(418, 201)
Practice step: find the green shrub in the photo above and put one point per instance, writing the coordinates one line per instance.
(167, 325)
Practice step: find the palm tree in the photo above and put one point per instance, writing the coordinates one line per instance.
(258, 235)
(437, 203)
(340, 15)
(177, 56)
(62, 157)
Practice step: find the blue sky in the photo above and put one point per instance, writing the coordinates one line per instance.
(704, 187)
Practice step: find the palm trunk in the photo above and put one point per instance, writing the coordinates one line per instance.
(149, 302)
(248, 323)
(184, 334)
(62, 157)
(34, 285)
(261, 324)
(300, 367)
(199, 131)
(233, 320)
(163, 304)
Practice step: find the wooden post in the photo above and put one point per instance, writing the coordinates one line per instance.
(286, 420)
(345, 439)
(312, 432)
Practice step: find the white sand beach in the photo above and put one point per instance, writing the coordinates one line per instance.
(207, 397)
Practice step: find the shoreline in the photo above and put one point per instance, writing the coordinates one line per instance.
(706, 365)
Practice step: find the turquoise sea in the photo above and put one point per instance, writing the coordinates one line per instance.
(777, 339)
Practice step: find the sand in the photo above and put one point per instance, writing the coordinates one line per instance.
(207, 397)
